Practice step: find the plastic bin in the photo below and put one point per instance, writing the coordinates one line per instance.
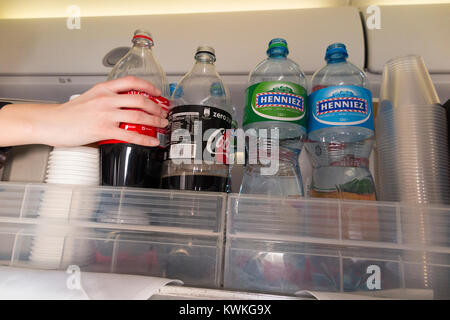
(177, 235)
(273, 245)
(382, 249)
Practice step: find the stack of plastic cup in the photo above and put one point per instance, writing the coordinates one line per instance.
(73, 166)
(411, 132)
(58, 246)
(412, 156)
(54, 247)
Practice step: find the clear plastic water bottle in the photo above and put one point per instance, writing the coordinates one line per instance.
(202, 108)
(275, 99)
(340, 129)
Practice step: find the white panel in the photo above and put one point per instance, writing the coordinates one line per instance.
(47, 47)
(422, 30)
(395, 2)
(100, 8)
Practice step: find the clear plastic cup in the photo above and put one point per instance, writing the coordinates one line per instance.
(406, 82)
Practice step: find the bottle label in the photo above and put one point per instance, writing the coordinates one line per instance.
(275, 101)
(159, 133)
(340, 106)
(199, 132)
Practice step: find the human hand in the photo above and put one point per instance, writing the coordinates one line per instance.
(96, 114)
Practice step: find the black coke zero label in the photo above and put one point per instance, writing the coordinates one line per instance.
(199, 132)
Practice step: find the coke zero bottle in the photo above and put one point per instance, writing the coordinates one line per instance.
(199, 121)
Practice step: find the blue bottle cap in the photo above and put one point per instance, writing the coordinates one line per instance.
(336, 51)
(172, 87)
(277, 46)
(176, 91)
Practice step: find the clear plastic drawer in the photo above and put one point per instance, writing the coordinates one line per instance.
(373, 248)
(269, 245)
(161, 233)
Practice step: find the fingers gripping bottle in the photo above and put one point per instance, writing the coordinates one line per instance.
(127, 164)
(275, 100)
(341, 129)
(199, 123)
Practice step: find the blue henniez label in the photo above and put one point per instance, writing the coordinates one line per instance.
(340, 106)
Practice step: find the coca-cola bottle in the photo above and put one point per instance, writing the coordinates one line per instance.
(201, 112)
(127, 164)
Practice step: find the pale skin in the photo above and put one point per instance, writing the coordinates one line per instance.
(94, 116)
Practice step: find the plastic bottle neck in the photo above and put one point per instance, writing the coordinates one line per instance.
(204, 63)
(143, 48)
(277, 56)
(337, 59)
(205, 57)
(277, 53)
(142, 42)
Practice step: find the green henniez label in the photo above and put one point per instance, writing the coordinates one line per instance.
(275, 101)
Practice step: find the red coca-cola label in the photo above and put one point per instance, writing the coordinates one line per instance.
(159, 133)
(224, 148)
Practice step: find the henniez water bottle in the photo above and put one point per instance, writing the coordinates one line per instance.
(199, 123)
(340, 129)
(275, 103)
(123, 163)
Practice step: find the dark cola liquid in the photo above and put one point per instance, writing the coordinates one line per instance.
(195, 182)
(130, 165)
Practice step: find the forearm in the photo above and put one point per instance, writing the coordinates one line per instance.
(24, 124)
